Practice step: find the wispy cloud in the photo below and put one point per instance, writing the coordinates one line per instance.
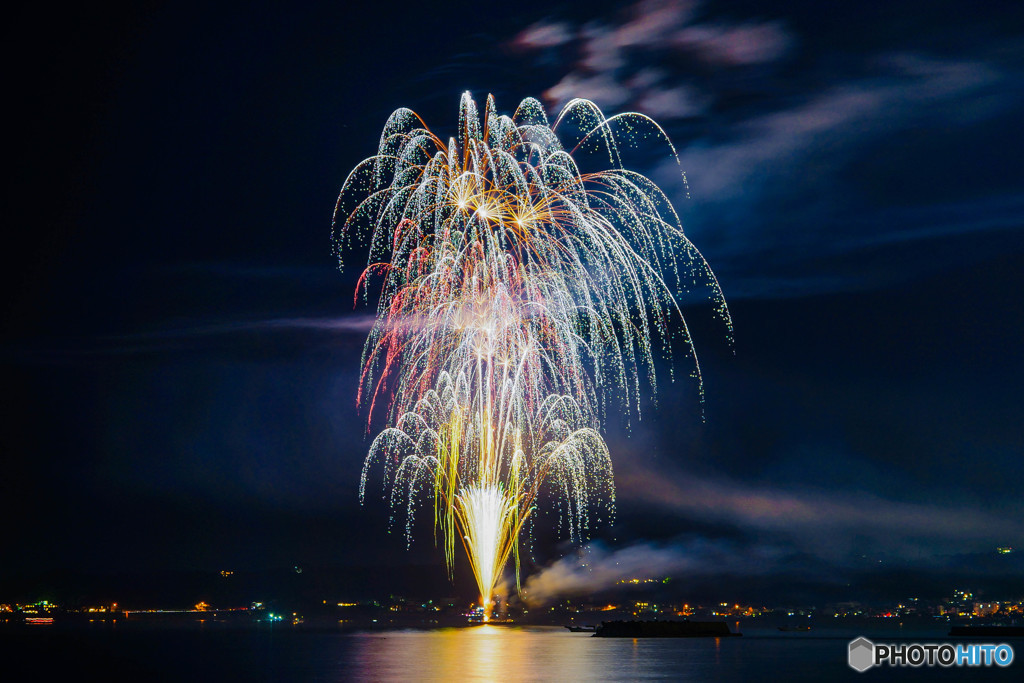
(729, 45)
(611, 55)
(840, 119)
(542, 35)
(677, 101)
(778, 186)
(600, 87)
(825, 523)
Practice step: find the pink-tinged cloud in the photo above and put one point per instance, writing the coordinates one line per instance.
(542, 35)
(600, 88)
(735, 45)
(601, 53)
(646, 78)
(653, 21)
(678, 102)
(613, 69)
(651, 27)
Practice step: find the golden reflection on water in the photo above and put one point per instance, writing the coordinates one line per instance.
(481, 653)
(547, 653)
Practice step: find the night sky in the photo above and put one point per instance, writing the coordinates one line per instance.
(180, 352)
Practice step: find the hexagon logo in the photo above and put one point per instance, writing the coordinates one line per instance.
(862, 654)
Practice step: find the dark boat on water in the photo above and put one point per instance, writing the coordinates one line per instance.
(988, 631)
(586, 628)
(794, 628)
(664, 629)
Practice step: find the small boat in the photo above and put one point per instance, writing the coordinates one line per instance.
(586, 628)
(795, 628)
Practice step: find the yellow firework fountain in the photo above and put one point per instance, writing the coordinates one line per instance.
(517, 294)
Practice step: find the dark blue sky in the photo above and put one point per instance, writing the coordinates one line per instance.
(179, 351)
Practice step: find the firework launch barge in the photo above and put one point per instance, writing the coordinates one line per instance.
(664, 629)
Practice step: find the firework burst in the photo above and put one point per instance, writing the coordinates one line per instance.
(517, 295)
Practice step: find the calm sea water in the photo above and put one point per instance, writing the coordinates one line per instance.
(482, 653)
